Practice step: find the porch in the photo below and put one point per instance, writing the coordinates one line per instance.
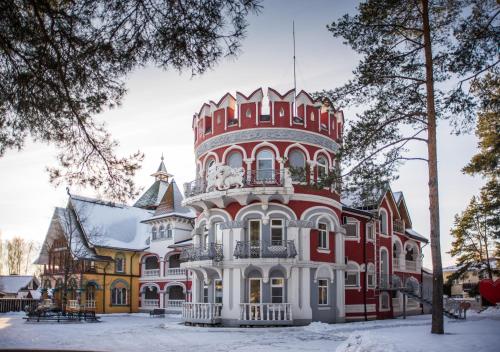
(265, 314)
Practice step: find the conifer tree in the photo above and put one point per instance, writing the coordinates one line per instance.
(412, 52)
(63, 62)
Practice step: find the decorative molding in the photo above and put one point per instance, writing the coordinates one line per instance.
(232, 225)
(267, 134)
(300, 223)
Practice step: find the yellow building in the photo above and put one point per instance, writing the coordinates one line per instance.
(92, 251)
(467, 286)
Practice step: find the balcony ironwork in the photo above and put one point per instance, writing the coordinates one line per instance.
(253, 178)
(264, 249)
(211, 252)
(399, 226)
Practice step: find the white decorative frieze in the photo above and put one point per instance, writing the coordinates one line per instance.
(300, 223)
(232, 225)
(223, 177)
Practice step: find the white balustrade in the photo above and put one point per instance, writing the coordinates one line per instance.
(151, 303)
(175, 303)
(176, 272)
(411, 265)
(266, 312)
(201, 312)
(151, 272)
(90, 304)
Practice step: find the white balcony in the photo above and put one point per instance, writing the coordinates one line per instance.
(150, 303)
(266, 314)
(201, 313)
(175, 304)
(89, 304)
(175, 272)
(151, 272)
(412, 265)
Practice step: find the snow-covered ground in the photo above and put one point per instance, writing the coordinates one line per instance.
(136, 332)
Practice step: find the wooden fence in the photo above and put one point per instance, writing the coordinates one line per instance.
(16, 304)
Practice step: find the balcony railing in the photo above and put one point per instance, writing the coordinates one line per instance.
(263, 313)
(175, 304)
(151, 303)
(89, 304)
(399, 226)
(212, 252)
(411, 265)
(263, 249)
(151, 272)
(175, 272)
(254, 178)
(206, 313)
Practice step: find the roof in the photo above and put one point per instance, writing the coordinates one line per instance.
(397, 196)
(171, 203)
(14, 283)
(152, 197)
(416, 236)
(107, 224)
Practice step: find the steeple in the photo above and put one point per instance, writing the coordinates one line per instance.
(161, 174)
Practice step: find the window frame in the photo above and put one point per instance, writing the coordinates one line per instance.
(169, 232)
(369, 225)
(216, 291)
(381, 308)
(352, 221)
(271, 171)
(352, 268)
(323, 288)
(119, 258)
(232, 154)
(321, 233)
(281, 286)
(322, 166)
(280, 227)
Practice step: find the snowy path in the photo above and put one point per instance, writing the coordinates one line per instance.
(139, 331)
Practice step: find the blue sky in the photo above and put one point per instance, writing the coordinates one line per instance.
(156, 114)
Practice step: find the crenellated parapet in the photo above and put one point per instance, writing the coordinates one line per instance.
(274, 110)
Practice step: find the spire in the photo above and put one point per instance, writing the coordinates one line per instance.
(161, 174)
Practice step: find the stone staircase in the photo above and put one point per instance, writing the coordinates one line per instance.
(450, 313)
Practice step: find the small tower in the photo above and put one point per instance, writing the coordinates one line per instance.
(161, 174)
(152, 197)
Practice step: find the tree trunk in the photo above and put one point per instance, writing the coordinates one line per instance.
(437, 269)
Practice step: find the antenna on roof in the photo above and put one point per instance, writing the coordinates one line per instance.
(294, 76)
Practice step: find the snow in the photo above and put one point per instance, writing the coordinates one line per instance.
(133, 332)
(13, 283)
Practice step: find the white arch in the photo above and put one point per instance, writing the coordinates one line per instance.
(410, 243)
(269, 213)
(175, 283)
(249, 210)
(396, 239)
(262, 146)
(298, 146)
(150, 284)
(322, 271)
(232, 148)
(323, 211)
(207, 157)
(328, 156)
(221, 213)
(241, 214)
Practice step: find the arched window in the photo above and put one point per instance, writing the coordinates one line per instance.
(312, 115)
(384, 268)
(248, 113)
(235, 160)
(119, 263)
(297, 162)
(162, 231)
(119, 293)
(352, 275)
(282, 112)
(322, 165)
(154, 233)
(383, 222)
(151, 292)
(169, 231)
(90, 292)
(265, 165)
(151, 263)
(210, 163)
(410, 253)
(384, 301)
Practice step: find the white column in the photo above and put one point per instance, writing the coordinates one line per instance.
(195, 288)
(305, 285)
(162, 267)
(162, 296)
(231, 297)
(305, 243)
(249, 169)
(339, 278)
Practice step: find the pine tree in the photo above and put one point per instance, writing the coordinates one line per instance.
(412, 52)
(63, 62)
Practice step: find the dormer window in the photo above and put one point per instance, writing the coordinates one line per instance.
(154, 233)
(248, 113)
(282, 112)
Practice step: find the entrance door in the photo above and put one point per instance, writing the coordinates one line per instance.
(255, 297)
(254, 235)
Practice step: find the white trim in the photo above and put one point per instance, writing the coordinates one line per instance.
(327, 293)
(351, 220)
(263, 145)
(360, 308)
(232, 148)
(297, 146)
(320, 232)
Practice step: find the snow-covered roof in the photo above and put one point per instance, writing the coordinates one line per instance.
(107, 224)
(14, 283)
(415, 235)
(171, 203)
(152, 197)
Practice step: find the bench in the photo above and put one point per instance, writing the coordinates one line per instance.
(157, 312)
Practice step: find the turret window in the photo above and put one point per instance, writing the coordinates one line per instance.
(322, 167)
(169, 231)
(265, 165)
(235, 160)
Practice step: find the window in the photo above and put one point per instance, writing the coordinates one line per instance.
(205, 293)
(370, 275)
(162, 231)
(218, 291)
(90, 294)
(322, 292)
(282, 112)
(169, 231)
(119, 296)
(254, 231)
(119, 263)
(369, 232)
(154, 233)
(384, 301)
(277, 290)
(248, 113)
(323, 236)
(351, 227)
(235, 160)
(410, 254)
(218, 233)
(254, 293)
(352, 275)
(297, 162)
(312, 115)
(383, 222)
(277, 231)
(265, 165)
(210, 164)
(322, 167)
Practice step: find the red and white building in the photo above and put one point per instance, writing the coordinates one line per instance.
(163, 283)
(274, 243)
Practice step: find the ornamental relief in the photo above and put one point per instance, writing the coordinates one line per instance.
(266, 134)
